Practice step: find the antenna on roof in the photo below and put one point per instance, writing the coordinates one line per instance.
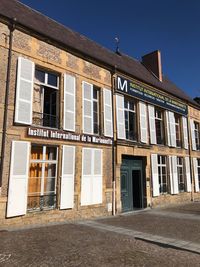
(117, 46)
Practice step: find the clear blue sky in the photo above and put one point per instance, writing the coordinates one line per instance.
(172, 26)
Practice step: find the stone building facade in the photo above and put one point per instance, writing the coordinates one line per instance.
(87, 132)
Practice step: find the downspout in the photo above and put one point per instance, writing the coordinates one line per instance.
(113, 147)
(189, 150)
(4, 129)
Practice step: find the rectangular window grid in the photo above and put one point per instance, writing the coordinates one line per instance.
(130, 119)
(162, 174)
(42, 178)
(181, 176)
(159, 123)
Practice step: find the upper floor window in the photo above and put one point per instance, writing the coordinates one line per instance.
(91, 109)
(130, 119)
(159, 124)
(181, 177)
(45, 99)
(197, 135)
(178, 130)
(162, 174)
(96, 113)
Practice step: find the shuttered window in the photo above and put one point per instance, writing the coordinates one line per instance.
(152, 126)
(185, 132)
(188, 174)
(18, 180)
(197, 135)
(173, 175)
(108, 123)
(24, 91)
(196, 165)
(192, 126)
(67, 177)
(154, 173)
(69, 118)
(143, 122)
(91, 182)
(121, 133)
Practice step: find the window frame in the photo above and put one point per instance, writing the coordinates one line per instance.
(179, 142)
(98, 102)
(162, 125)
(160, 175)
(43, 163)
(197, 134)
(181, 166)
(41, 116)
(135, 122)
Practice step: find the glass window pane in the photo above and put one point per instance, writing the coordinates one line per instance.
(50, 170)
(51, 153)
(39, 76)
(95, 93)
(131, 105)
(52, 79)
(125, 103)
(36, 152)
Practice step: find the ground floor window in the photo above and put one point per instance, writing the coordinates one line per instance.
(162, 174)
(42, 178)
(181, 176)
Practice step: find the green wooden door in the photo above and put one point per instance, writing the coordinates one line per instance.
(131, 184)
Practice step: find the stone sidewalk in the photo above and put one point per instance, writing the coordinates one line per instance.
(158, 237)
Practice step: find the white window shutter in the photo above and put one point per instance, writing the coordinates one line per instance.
(143, 122)
(152, 126)
(168, 128)
(188, 175)
(67, 178)
(24, 91)
(108, 123)
(154, 171)
(91, 183)
(120, 117)
(196, 179)
(86, 181)
(18, 181)
(185, 132)
(69, 116)
(193, 135)
(173, 175)
(172, 127)
(97, 185)
(87, 108)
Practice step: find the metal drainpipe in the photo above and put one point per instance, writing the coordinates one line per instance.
(3, 142)
(189, 150)
(113, 149)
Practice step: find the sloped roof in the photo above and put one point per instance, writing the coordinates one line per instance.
(41, 24)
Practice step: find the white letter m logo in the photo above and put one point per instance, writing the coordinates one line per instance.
(121, 86)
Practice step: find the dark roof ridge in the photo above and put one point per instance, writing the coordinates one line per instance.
(78, 44)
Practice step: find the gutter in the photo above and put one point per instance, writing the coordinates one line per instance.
(113, 144)
(4, 129)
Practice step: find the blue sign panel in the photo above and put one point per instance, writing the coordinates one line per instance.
(151, 96)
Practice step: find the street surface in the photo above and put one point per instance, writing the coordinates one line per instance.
(158, 237)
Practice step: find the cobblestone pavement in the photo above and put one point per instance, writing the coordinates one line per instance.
(80, 244)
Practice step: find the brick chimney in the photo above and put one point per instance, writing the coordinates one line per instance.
(152, 62)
